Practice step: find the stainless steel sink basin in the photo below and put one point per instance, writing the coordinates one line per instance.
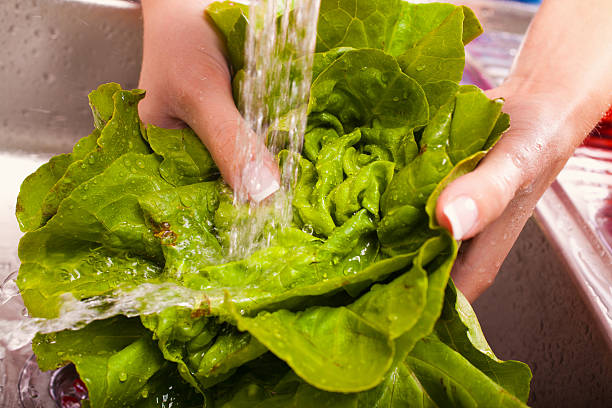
(53, 52)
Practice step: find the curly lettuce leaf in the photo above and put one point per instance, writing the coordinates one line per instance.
(182, 220)
(365, 87)
(356, 23)
(36, 186)
(450, 141)
(34, 189)
(410, 32)
(205, 350)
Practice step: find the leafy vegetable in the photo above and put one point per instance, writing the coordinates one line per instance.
(351, 306)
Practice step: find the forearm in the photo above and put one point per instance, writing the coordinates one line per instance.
(179, 28)
(567, 55)
(184, 19)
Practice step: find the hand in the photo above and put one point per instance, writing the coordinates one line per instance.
(559, 89)
(489, 207)
(188, 83)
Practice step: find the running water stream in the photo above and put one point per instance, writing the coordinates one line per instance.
(274, 98)
(275, 90)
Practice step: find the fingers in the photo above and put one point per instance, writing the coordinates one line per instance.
(533, 151)
(209, 109)
(490, 205)
(474, 200)
(481, 257)
(243, 160)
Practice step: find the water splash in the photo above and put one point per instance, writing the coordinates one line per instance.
(143, 299)
(274, 98)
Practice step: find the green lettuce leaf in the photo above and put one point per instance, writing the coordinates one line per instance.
(97, 239)
(115, 358)
(349, 306)
(458, 327)
(34, 189)
(186, 160)
(365, 87)
(120, 134)
(231, 19)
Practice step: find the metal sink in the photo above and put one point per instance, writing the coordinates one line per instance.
(52, 53)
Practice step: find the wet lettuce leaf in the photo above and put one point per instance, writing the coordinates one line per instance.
(115, 358)
(120, 134)
(350, 306)
(119, 363)
(231, 20)
(186, 160)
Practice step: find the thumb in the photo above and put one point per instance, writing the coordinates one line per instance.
(471, 202)
(242, 157)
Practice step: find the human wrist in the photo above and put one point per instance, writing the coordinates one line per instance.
(577, 108)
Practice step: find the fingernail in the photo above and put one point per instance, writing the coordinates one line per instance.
(259, 181)
(462, 214)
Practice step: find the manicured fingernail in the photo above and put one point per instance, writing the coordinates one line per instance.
(259, 181)
(462, 214)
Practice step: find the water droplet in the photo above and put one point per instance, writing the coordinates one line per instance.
(48, 77)
(123, 377)
(307, 228)
(420, 67)
(395, 99)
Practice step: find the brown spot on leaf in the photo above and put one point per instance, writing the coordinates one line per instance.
(165, 234)
(204, 310)
(19, 206)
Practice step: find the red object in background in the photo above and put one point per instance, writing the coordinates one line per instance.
(601, 136)
(80, 388)
(69, 401)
